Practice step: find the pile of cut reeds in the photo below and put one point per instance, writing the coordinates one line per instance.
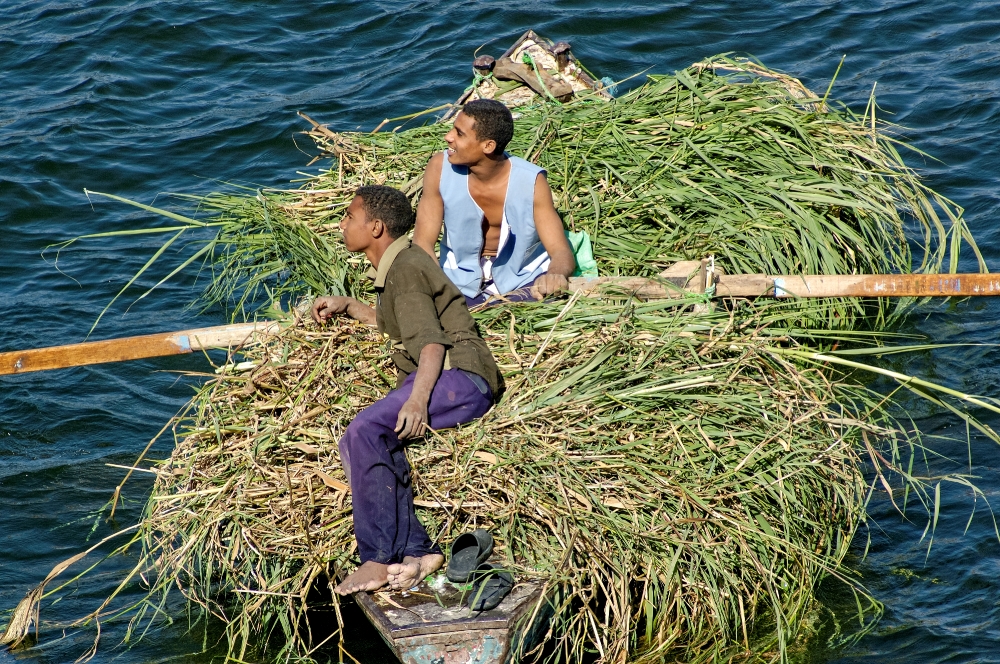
(725, 158)
(679, 484)
(681, 481)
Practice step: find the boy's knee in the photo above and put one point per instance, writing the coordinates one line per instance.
(353, 437)
(345, 457)
(365, 429)
(364, 421)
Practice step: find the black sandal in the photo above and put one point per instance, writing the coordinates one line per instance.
(468, 552)
(490, 584)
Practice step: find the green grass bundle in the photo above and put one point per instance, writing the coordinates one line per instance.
(679, 485)
(724, 158)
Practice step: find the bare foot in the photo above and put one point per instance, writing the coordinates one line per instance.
(370, 576)
(404, 575)
(412, 570)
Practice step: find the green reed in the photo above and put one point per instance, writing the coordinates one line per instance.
(681, 482)
(724, 158)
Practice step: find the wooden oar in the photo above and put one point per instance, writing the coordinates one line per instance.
(131, 348)
(689, 276)
(861, 285)
(693, 276)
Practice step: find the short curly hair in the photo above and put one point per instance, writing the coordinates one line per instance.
(388, 204)
(491, 121)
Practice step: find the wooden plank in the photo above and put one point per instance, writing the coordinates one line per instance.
(640, 286)
(225, 336)
(744, 285)
(485, 646)
(685, 270)
(130, 348)
(761, 285)
(508, 70)
(432, 611)
(861, 285)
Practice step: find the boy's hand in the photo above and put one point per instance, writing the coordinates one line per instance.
(325, 308)
(412, 420)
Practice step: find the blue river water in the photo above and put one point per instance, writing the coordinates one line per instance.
(142, 98)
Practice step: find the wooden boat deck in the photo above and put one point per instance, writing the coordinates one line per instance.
(431, 624)
(565, 69)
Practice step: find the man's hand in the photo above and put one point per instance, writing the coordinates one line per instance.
(412, 420)
(325, 308)
(547, 284)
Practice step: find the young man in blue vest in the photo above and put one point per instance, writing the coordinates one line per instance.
(446, 376)
(502, 234)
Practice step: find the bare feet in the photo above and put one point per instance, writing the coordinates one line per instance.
(370, 576)
(410, 572)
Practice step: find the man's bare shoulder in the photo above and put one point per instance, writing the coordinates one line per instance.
(435, 162)
(432, 175)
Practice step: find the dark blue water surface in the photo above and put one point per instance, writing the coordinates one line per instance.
(142, 98)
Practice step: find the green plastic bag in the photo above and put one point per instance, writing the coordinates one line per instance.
(579, 241)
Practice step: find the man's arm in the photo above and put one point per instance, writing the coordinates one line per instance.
(412, 419)
(430, 209)
(550, 232)
(324, 308)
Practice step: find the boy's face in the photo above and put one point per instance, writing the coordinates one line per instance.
(355, 226)
(464, 147)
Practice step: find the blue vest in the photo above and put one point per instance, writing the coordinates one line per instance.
(520, 257)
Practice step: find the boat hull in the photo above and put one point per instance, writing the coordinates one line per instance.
(433, 625)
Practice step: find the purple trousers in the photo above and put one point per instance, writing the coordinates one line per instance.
(385, 522)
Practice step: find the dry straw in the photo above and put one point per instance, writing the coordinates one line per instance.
(681, 481)
(680, 487)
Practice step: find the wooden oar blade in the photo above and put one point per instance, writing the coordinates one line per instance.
(95, 352)
(130, 348)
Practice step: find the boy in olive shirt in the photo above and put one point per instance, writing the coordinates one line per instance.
(446, 376)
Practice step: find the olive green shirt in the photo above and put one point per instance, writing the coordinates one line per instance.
(418, 305)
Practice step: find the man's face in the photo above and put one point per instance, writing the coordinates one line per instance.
(355, 226)
(464, 147)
